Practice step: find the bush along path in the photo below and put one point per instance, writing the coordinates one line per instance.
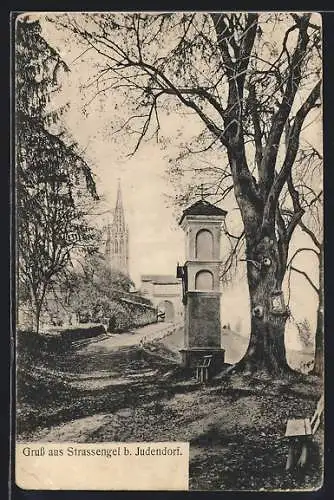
(234, 425)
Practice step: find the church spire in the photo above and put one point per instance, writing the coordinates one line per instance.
(119, 202)
(117, 247)
(119, 219)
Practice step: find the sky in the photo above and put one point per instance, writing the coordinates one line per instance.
(156, 241)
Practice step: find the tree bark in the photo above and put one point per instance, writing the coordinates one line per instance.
(266, 351)
(318, 368)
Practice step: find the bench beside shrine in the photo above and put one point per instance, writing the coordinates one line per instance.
(299, 432)
(202, 369)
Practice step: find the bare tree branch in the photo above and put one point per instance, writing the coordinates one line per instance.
(281, 116)
(306, 276)
(292, 149)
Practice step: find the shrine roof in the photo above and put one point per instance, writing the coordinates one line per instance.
(203, 207)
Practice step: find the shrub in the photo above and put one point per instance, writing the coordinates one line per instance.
(82, 332)
(305, 332)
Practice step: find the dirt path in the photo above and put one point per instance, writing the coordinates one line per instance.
(89, 373)
(147, 333)
(114, 390)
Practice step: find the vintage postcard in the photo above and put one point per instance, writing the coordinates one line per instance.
(169, 214)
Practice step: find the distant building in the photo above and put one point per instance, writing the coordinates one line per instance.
(117, 242)
(165, 292)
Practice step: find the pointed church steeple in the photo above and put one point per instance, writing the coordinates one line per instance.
(119, 219)
(119, 195)
(117, 234)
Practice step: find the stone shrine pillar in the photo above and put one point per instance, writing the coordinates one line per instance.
(201, 223)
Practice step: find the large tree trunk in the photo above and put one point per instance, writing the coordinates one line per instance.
(319, 334)
(266, 350)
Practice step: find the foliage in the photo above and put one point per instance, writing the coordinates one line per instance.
(72, 334)
(94, 291)
(54, 183)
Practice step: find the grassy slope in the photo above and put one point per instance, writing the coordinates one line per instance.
(234, 426)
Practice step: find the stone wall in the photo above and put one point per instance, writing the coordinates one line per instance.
(140, 314)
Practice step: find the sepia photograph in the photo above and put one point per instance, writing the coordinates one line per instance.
(169, 250)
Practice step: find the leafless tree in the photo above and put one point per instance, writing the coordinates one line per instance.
(244, 77)
(312, 225)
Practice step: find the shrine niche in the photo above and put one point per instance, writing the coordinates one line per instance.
(204, 245)
(204, 280)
